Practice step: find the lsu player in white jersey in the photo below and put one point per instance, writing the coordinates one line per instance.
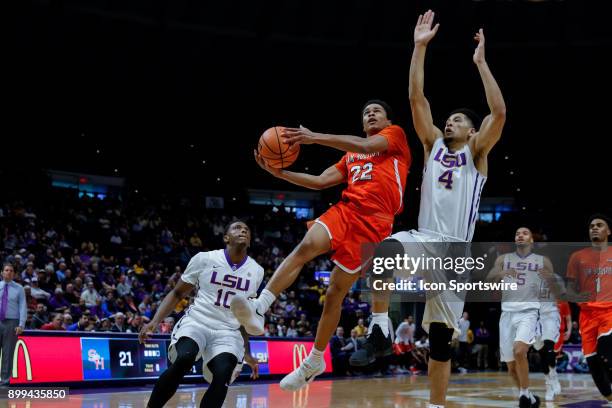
(552, 288)
(453, 179)
(518, 324)
(208, 329)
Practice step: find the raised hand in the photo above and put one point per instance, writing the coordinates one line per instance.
(423, 32)
(479, 53)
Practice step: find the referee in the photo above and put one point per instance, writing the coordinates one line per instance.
(13, 314)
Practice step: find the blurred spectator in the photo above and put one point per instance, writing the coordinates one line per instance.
(57, 302)
(105, 325)
(340, 351)
(167, 325)
(303, 326)
(360, 329)
(67, 321)
(56, 323)
(41, 316)
(405, 332)
(90, 295)
(483, 337)
(119, 325)
(30, 301)
(575, 337)
(135, 324)
(464, 349)
(292, 330)
(37, 292)
(81, 325)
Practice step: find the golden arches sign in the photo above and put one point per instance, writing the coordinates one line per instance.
(26, 355)
(299, 355)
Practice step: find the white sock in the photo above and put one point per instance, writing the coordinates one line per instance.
(524, 391)
(552, 373)
(265, 299)
(435, 406)
(382, 320)
(315, 356)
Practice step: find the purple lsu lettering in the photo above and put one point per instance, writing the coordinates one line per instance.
(450, 160)
(523, 266)
(231, 281)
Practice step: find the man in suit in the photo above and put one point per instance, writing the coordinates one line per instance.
(13, 315)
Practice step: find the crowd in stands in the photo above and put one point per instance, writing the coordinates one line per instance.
(91, 264)
(105, 265)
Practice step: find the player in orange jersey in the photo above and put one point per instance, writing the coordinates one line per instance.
(375, 169)
(590, 271)
(566, 325)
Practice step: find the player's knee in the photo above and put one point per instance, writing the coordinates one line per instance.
(334, 293)
(604, 350)
(185, 360)
(222, 368)
(440, 337)
(389, 248)
(520, 350)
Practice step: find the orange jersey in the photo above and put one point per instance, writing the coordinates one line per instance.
(592, 270)
(376, 181)
(564, 310)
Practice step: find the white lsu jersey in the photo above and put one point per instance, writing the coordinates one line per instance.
(217, 280)
(528, 280)
(548, 300)
(450, 192)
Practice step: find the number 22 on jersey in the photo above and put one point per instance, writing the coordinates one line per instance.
(362, 173)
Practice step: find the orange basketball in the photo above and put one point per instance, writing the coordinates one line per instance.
(274, 151)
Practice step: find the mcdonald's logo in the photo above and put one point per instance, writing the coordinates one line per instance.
(26, 355)
(299, 355)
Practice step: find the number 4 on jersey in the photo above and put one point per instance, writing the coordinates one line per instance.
(447, 179)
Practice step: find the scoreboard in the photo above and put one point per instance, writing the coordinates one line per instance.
(72, 357)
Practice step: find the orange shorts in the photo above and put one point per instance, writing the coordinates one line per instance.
(401, 348)
(594, 323)
(349, 228)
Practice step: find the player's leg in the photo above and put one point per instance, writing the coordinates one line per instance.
(250, 314)
(549, 326)
(378, 341)
(604, 352)
(589, 329)
(526, 326)
(439, 367)
(339, 285)
(512, 371)
(222, 368)
(186, 353)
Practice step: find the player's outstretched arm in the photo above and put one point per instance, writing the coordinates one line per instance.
(346, 143)
(330, 177)
(248, 358)
(491, 128)
(180, 291)
(419, 105)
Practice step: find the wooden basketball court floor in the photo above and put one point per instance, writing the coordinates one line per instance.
(491, 389)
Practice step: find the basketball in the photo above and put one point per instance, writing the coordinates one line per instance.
(274, 151)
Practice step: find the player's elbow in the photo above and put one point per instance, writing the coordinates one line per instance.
(499, 114)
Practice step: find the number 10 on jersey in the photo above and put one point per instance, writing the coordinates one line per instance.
(224, 297)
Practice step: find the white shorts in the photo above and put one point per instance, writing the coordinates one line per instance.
(549, 326)
(442, 307)
(210, 342)
(516, 326)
